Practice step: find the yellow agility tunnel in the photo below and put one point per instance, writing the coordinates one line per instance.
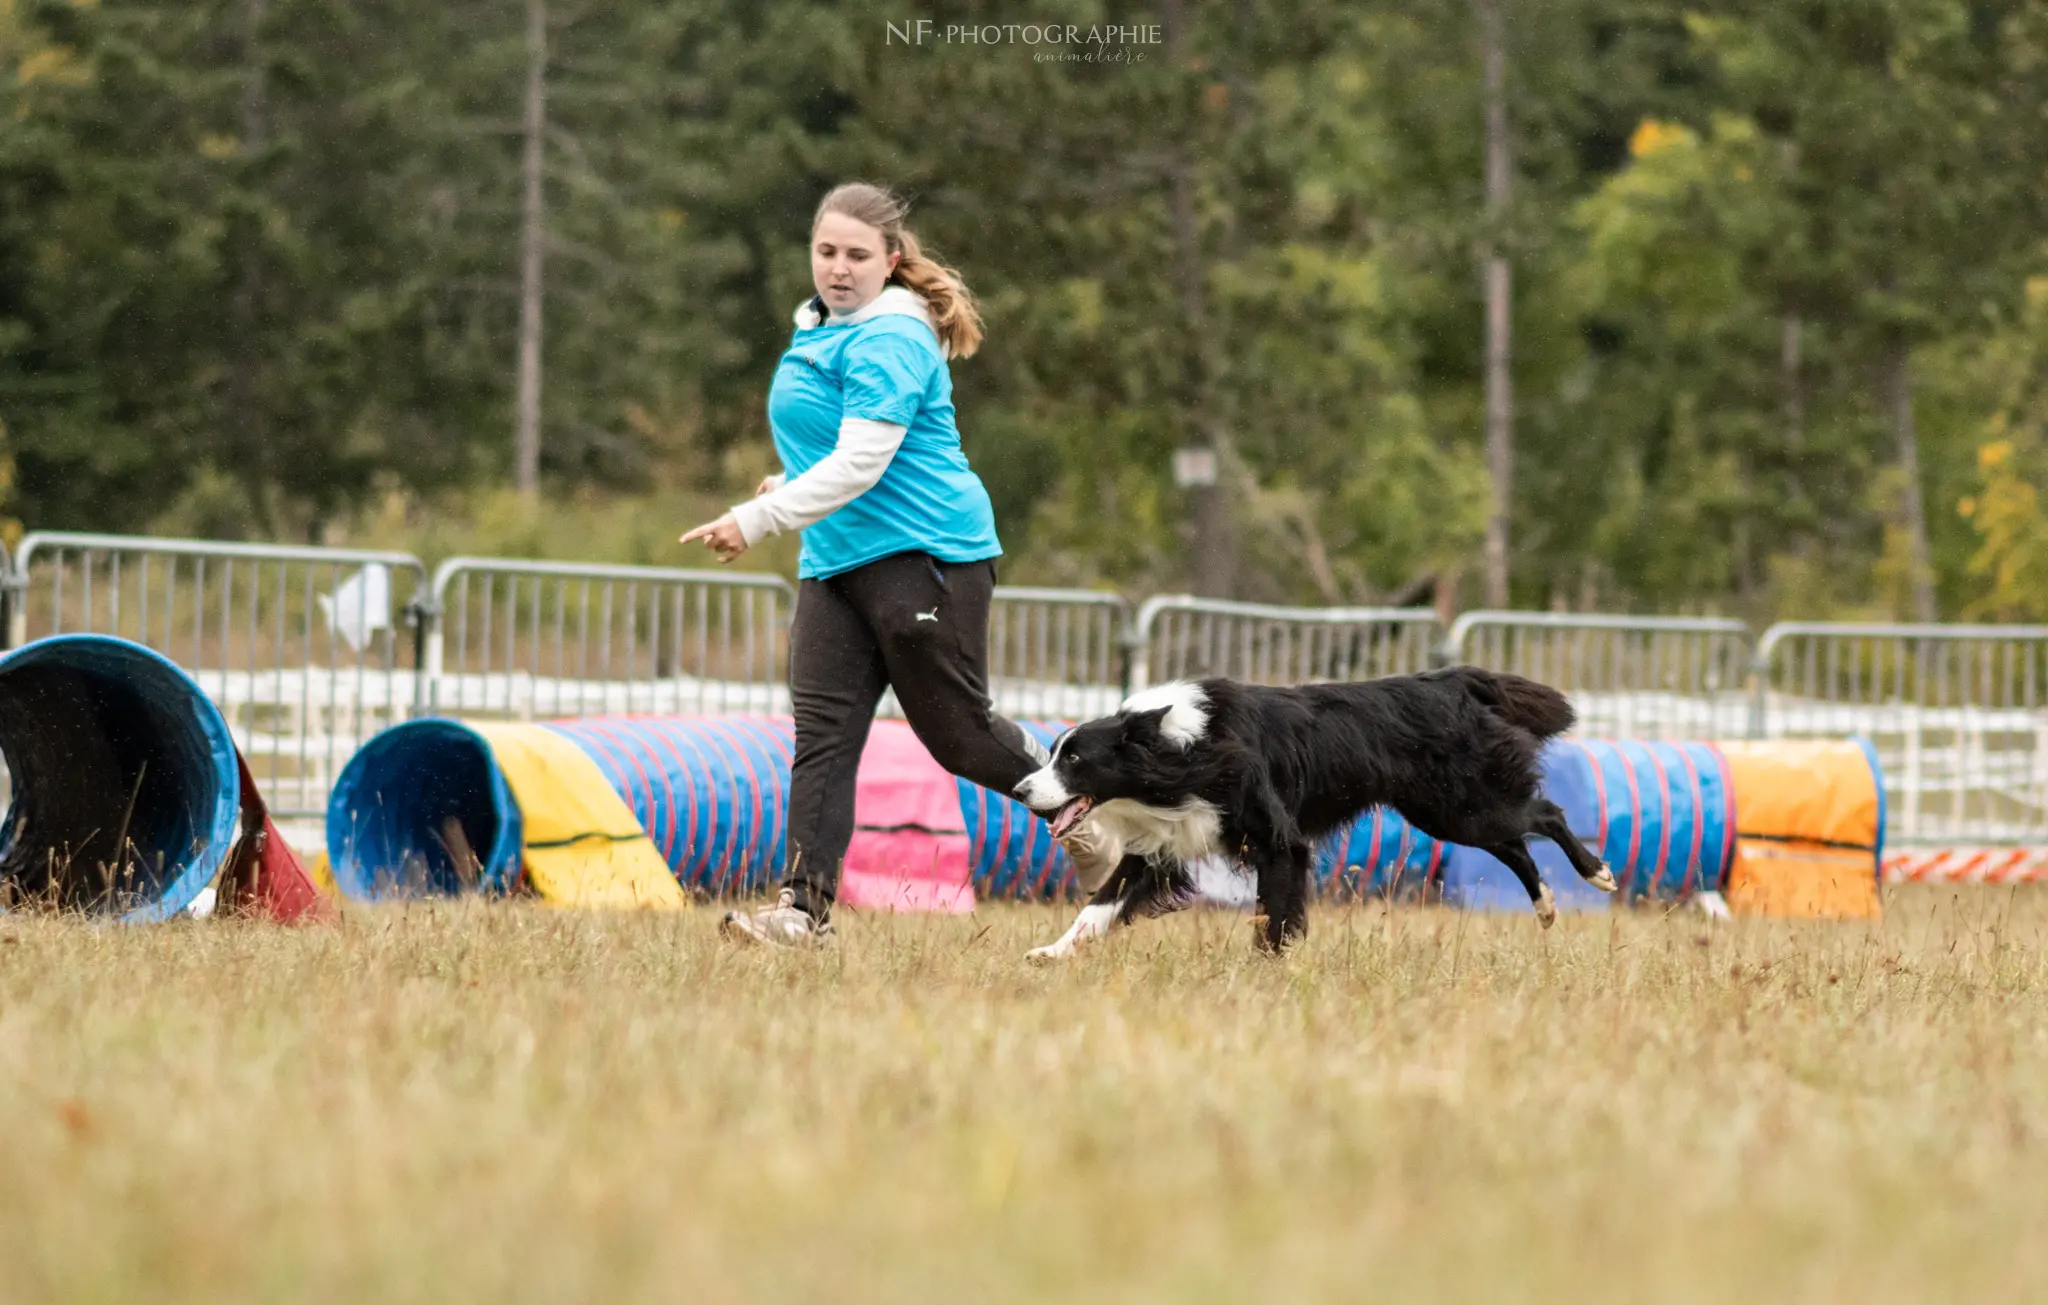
(440, 806)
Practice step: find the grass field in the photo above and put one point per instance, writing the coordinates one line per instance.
(515, 1103)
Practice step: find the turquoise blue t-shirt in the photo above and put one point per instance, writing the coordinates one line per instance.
(885, 368)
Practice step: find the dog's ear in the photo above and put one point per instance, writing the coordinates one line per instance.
(1143, 727)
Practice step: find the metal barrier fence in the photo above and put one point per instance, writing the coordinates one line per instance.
(1180, 638)
(1958, 713)
(1628, 677)
(302, 648)
(538, 640)
(309, 651)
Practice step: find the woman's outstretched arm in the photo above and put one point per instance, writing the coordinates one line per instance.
(851, 469)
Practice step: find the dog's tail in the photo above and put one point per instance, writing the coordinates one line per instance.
(1537, 708)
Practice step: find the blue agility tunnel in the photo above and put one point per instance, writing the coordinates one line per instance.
(126, 790)
(1380, 855)
(389, 805)
(1662, 815)
(1010, 852)
(709, 793)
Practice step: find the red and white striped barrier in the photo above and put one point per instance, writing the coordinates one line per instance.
(1967, 865)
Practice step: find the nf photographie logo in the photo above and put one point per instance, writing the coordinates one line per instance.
(1048, 42)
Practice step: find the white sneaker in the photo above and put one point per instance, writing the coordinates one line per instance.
(781, 925)
(1094, 851)
(1713, 905)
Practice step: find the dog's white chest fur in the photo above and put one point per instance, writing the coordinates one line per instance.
(1187, 832)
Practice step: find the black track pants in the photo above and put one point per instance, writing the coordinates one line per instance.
(908, 622)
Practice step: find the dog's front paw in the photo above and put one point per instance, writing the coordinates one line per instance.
(1046, 955)
(1546, 906)
(1604, 881)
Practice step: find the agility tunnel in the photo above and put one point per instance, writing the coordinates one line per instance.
(606, 813)
(128, 796)
(1810, 838)
(645, 812)
(1671, 819)
(1661, 814)
(1781, 828)
(639, 812)
(649, 811)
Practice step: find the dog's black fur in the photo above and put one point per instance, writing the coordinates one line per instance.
(1454, 751)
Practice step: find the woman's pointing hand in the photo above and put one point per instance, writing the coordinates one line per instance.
(722, 537)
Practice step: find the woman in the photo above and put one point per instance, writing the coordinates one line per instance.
(899, 545)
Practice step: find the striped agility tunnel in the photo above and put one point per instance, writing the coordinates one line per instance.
(602, 812)
(1661, 814)
(650, 811)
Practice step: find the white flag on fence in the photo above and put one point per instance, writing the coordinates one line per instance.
(360, 606)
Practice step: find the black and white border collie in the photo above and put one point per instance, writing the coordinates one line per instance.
(1204, 769)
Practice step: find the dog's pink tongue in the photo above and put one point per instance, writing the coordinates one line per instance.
(1068, 816)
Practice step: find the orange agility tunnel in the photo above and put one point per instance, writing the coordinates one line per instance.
(1810, 821)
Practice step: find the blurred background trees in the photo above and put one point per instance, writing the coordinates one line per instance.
(1779, 331)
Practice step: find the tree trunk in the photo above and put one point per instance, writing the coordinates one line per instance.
(1500, 398)
(1214, 563)
(1792, 373)
(1790, 347)
(254, 454)
(1215, 551)
(1899, 399)
(526, 462)
(1446, 597)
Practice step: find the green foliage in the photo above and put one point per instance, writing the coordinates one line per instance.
(2004, 507)
(2013, 558)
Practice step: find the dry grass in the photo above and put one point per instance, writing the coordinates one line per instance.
(521, 1104)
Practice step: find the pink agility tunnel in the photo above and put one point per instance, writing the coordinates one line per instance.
(713, 794)
(910, 834)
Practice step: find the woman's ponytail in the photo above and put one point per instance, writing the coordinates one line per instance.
(955, 314)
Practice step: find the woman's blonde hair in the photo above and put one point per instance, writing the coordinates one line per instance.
(955, 313)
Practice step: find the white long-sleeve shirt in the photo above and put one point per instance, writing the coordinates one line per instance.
(850, 470)
(858, 458)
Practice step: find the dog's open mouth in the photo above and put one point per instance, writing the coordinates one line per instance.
(1070, 815)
